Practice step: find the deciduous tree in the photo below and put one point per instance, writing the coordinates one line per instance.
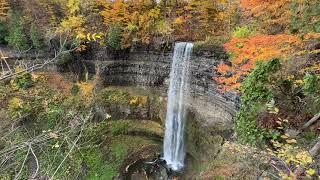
(245, 52)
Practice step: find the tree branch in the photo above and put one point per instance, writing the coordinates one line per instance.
(11, 74)
(311, 121)
(315, 149)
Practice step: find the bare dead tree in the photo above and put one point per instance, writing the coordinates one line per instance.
(9, 71)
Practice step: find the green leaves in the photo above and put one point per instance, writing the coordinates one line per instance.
(255, 92)
(16, 37)
(115, 36)
(35, 37)
(311, 84)
(242, 32)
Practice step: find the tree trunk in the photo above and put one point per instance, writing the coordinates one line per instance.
(314, 151)
(311, 121)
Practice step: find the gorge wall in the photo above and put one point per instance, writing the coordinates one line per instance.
(151, 70)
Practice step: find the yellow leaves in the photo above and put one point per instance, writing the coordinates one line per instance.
(291, 141)
(86, 89)
(94, 36)
(134, 100)
(73, 6)
(89, 37)
(164, 28)
(291, 155)
(81, 36)
(310, 172)
(267, 13)
(304, 158)
(179, 21)
(72, 24)
(138, 100)
(15, 103)
(285, 136)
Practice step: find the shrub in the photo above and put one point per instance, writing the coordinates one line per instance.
(242, 32)
(311, 84)
(256, 93)
(24, 82)
(311, 88)
(17, 107)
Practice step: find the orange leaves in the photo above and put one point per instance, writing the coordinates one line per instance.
(261, 47)
(247, 51)
(223, 68)
(273, 16)
(115, 12)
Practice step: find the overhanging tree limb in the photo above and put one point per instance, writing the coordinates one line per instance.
(10, 73)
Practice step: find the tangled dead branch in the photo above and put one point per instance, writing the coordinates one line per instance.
(9, 71)
(28, 148)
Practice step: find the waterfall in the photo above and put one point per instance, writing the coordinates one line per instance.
(174, 150)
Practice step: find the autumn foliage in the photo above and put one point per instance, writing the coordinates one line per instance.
(245, 52)
(4, 7)
(273, 16)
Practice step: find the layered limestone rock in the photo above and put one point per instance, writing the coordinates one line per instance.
(151, 70)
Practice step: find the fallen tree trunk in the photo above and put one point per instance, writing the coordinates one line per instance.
(315, 149)
(311, 121)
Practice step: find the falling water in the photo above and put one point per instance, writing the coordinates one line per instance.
(174, 152)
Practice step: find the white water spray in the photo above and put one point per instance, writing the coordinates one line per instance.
(174, 150)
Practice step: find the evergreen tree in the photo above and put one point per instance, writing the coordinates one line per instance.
(114, 37)
(3, 32)
(36, 37)
(16, 38)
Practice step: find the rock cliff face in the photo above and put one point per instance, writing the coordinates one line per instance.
(151, 70)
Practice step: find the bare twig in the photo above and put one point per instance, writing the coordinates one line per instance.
(37, 162)
(73, 146)
(24, 162)
(27, 69)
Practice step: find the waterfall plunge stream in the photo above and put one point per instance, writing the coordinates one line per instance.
(174, 150)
